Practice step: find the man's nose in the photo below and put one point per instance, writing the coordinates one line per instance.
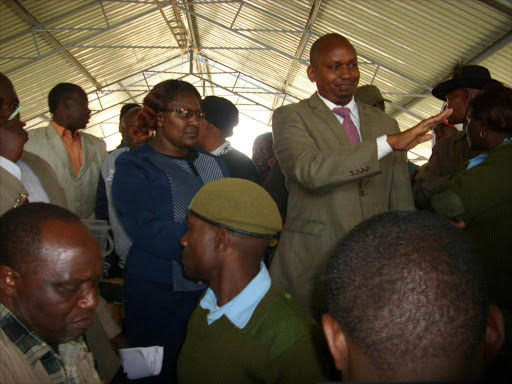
(90, 298)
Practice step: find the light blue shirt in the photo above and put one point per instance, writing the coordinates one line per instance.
(240, 309)
(481, 157)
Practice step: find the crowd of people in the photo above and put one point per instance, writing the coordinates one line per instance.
(325, 256)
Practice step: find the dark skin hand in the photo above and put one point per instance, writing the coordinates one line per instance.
(13, 138)
(118, 342)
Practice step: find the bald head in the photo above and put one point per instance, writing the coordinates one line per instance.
(320, 45)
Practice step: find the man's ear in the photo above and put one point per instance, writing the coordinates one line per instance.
(494, 333)
(311, 74)
(222, 239)
(336, 342)
(9, 278)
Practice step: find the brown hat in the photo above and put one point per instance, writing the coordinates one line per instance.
(468, 76)
(239, 205)
(369, 94)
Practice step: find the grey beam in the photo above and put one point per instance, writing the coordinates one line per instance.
(53, 42)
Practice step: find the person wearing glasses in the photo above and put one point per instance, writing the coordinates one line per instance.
(153, 186)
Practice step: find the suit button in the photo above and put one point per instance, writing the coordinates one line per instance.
(362, 193)
(77, 203)
(361, 170)
(351, 173)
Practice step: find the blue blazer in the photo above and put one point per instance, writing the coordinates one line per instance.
(151, 193)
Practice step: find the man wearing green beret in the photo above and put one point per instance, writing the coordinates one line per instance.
(244, 330)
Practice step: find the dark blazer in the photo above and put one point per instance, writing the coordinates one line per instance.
(332, 186)
(241, 166)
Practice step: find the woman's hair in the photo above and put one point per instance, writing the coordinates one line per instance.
(493, 105)
(158, 99)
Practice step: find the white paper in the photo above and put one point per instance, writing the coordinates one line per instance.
(142, 362)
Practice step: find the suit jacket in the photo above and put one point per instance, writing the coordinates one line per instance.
(13, 193)
(332, 186)
(80, 191)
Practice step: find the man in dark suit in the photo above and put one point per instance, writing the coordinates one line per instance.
(338, 170)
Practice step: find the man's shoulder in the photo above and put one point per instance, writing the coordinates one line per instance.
(94, 140)
(39, 133)
(279, 322)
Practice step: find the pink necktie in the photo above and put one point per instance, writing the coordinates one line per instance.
(348, 125)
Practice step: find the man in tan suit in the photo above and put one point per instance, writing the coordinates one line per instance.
(76, 157)
(23, 175)
(339, 171)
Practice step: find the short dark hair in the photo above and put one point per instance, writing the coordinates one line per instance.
(20, 233)
(127, 108)
(61, 92)
(220, 112)
(493, 106)
(158, 99)
(408, 289)
(267, 136)
(316, 48)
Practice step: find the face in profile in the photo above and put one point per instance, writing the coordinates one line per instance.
(12, 131)
(335, 71)
(132, 136)
(57, 297)
(78, 112)
(198, 256)
(458, 100)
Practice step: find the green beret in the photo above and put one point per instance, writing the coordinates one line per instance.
(239, 205)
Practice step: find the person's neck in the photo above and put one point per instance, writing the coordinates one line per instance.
(64, 124)
(215, 142)
(232, 280)
(167, 148)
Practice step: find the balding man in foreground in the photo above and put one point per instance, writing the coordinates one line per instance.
(343, 162)
(48, 293)
(402, 310)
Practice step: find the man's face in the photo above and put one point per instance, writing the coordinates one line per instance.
(78, 112)
(12, 133)
(198, 256)
(57, 297)
(128, 127)
(336, 72)
(262, 152)
(458, 100)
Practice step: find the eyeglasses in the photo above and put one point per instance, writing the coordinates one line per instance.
(187, 113)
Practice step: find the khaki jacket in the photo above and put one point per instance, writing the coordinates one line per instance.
(80, 191)
(14, 194)
(332, 186)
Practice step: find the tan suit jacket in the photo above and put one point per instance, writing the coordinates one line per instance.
(333, 186)
(13, 193)
(80, 191)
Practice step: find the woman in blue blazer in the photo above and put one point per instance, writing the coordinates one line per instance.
(153, 186)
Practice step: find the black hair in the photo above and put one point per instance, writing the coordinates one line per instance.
(20, 233)
(60, 93)
(493, 106)
(220, 112)
(267, 136)
(317, 46)
(408, 289)
(127, 108)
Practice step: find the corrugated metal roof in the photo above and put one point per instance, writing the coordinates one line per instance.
(253, 52)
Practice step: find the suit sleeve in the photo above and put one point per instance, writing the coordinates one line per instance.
(401, 191)
(315, 169)
(137, 195)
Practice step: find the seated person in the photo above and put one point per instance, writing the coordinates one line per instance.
(48, 294)
(244, 330)
(407, 301)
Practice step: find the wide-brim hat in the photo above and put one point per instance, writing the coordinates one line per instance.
(469, 76)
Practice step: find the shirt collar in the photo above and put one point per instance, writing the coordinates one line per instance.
(34, 349)
(223, 149)
(352, 105)
(240, 309)
(63, 132)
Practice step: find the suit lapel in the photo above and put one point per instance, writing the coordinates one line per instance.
(322, 112)
(365, 121)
